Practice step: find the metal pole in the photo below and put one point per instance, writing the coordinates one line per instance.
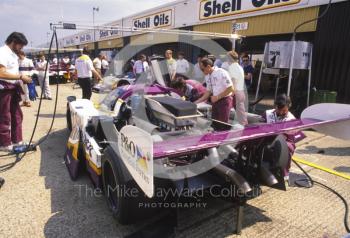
(277, 84)
(309, 83)
(234, 44)
(291, 65)
(261, 69)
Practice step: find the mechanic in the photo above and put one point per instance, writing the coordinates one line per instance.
(98, 63)
(84, 70)
(237, 75)
(140, 66)
(171, 62)
(190, 89)
(44, 82)
(248, 70)
(197, 73)
(26, 67)
(10, 91)
(281, 113)
(104, 65)
(219, 90)
(182, 65)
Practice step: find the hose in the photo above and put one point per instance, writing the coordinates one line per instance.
(311, 183)
(8, 166)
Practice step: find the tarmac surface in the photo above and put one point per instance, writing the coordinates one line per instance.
(39, 199)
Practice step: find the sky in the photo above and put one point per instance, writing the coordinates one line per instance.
(33, 17)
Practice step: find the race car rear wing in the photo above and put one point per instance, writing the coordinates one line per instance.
(331, 119)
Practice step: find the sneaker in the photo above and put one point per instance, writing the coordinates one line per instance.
(286, 181)
(8, 148)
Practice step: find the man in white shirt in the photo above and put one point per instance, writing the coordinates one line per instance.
(236, 73)
(182, 65)
(220, 90)
(26, 67)
(198, 74)
(140, 66)
(171, 63)
(10, 91)
(98, 63)
(42, 78)
(104, 65)
(84, 69)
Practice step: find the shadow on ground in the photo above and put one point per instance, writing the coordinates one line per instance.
(80, 211)
(333, 151)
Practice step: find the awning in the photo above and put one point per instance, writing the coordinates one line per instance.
(109, 44)
(153, 38)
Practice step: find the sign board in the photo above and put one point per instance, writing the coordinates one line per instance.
(156, 20)
(278, 54)
(86, 37)
(136, 151)
(219, 8)
(239, 26)
(104, 34)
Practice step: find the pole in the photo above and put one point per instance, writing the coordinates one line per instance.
(309, 83)
(291, 65)
(260, 74)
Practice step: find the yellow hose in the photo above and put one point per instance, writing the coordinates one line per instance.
(331, 171)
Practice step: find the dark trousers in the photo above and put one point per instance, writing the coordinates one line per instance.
(221, 112)
(85, 84)
(10, 117)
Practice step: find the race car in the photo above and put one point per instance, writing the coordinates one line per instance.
(145, 138)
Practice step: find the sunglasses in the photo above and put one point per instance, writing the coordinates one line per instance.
(245, 60)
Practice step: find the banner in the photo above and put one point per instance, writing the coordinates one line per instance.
(156, 20)
(278, 54)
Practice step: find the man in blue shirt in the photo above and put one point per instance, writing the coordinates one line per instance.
(248, 71)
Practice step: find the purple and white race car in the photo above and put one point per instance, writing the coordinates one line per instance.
(146, 139)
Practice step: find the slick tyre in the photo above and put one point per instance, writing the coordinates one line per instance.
(114, 186)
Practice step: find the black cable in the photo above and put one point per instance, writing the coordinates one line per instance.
(309, 21)
(6, 167)
(311, 183)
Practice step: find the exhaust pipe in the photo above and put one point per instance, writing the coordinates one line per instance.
(266, 175)
(233, 177)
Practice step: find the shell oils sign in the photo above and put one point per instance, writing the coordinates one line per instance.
(156, 20)
(220, 8)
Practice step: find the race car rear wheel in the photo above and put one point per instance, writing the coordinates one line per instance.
(114, 184)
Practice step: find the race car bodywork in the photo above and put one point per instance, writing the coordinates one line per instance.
(147, 138)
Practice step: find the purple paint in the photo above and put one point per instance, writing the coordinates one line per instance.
(190, 144)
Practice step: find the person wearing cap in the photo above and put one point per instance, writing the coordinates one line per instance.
(84, 70)
(219, 90)
(236, 73)
(10, 91)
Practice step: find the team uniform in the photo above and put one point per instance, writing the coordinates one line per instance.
(237, 75)
(84, 67)
(217, 82)
(26, 67)
(44, 81)
(198, 74)
(104, 66)
(182, 67)
(11, 116)
(271, 117)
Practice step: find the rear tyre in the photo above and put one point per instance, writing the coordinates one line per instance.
(115, 186)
